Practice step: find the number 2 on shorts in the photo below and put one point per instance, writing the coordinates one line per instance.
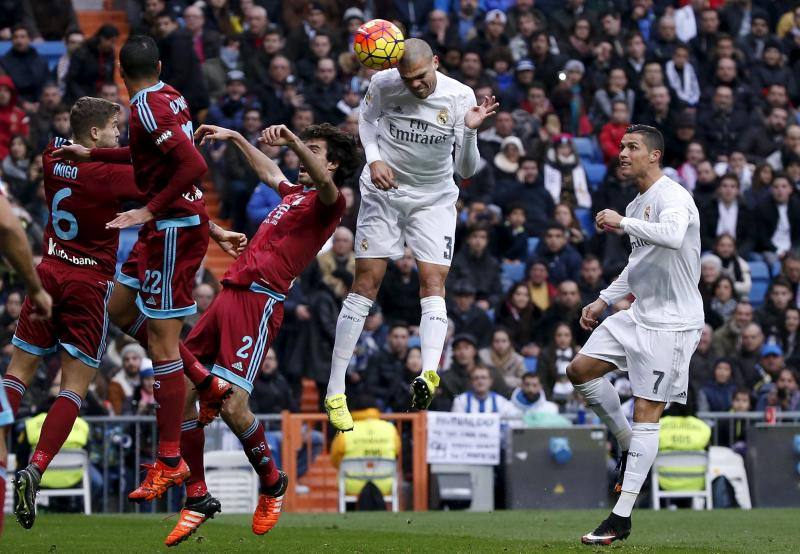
(659, 377)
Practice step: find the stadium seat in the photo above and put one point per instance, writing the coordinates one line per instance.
(50, 50)
(511, 273)
(776, 268)
(72, 459)
(533, 243)
(368, 469)
(759, 270)
(685, 461)
(231, 479)
(758, 291)
(595, 173)
(586, 149)
(414, 341)
(586, 220)
(531, 363)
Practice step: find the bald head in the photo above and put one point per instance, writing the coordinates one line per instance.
(416, 52)
(418, 67)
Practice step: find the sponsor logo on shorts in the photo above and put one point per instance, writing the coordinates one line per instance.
(54, 249)
(150, 301)
(364, 245)
(238, 366)
(681, 395)
(165, 136)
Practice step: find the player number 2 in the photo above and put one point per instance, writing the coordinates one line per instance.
(659, 377)
(63, 216)
(448, 243)
(247, 343)
(152, 282)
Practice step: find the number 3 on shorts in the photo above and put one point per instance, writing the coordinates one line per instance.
(659, 377)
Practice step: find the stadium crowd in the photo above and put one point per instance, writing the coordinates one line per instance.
(719, 78)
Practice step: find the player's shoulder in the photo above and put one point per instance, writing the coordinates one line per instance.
(453, 87)
(387, 77)
(671, 189)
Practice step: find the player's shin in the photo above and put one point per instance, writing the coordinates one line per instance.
(641, 455)
(193, 440)
(432, 331)
(348, 328)
(15, 390)
(169, 390)
(603, 399)
(57, 426)
(254, 442)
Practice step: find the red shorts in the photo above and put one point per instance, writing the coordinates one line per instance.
(80, 315)
(235, 333)
(163, 264)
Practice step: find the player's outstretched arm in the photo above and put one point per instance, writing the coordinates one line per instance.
(280, 135)
(265, 168)
(14, 246)
(668, 232)
(79, 153)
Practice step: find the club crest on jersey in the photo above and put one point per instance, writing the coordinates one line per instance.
(364, 245)
(368, 98)
(441, 117)
(647, 213)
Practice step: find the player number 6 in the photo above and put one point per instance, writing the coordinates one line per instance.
(63, 215)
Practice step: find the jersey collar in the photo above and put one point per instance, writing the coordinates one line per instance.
(136, 97)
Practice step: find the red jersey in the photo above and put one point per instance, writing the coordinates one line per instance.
(160, 120)
(82, 198)
(287, 241)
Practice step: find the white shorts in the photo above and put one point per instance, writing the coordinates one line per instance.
(657, 362)
(389, 220)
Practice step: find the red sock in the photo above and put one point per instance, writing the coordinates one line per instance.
(57, 427)
(169, 390)
(193, 369)
(258, 452)
(15, 390)
(3, 477)
(193, 440)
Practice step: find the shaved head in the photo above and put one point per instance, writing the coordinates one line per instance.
(418, 68)
(416, 51)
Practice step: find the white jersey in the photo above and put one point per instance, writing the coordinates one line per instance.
(664, 266)
(416, 137)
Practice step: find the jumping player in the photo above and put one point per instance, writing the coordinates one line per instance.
(77, 269)
(654, 339)
(172, 242)
(236, 331)
(417, 127)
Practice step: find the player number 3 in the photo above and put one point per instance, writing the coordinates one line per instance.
(63, 216)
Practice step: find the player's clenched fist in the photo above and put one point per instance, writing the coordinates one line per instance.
(608, 219)
(382, 175)
(590, 314)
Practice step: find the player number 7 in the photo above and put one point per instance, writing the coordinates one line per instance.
(660, 377)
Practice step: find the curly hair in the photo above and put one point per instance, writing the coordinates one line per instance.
(341, 148)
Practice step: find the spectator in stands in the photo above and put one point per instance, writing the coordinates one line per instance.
(511, 238)
(706, 185)
(564, 177)
(26, 67)
(253, 37)
(216, 70)
(530, 397)
(468, 317)
(14, 12)
(547, 63)
(398, 296)
(778, 221)
(325, 93)
(540, 289)
(480, 398)
(500, 355)
(455, 381)
(92, 64)
(315, 21)
(576, 236)
(657, 110)
(280, 93)
(41, 119)
(521, 317)
(340, 258)
(771, 315)
(768, 370)
(203, 295)
(229, 110)
(15, 166)
(527, 190)
(13, 120)
(591, 281)
(221, 18)
(681, 76)
(784, 393)
(385, 369)
(733, 266)
(124, 383)
(180, 65)
(553, 362)
(271, 391)
(760, 141)
(612, 132)
(565, 309)
(728, 215)
(616, 90)
(772, 69)
(790, 336)
(723, 124)
(205, 42)
(321, 47)
(748, 356)
(563, 261)
(10, 315)
(53, 18)
(506, 162)
(476, 265)
(717, 395)
(73, 40)
(790, 269)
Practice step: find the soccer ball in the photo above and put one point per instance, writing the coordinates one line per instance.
(378, 44)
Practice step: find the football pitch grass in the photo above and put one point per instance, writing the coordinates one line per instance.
(752, 532)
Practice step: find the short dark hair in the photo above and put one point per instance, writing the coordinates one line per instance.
(340, 146)
(729, 177)
(88, 112)
(21, 27)
(478, 227)
(138, 57)
(651, 136)
(61, 108)
(107, 31)
(168, 14)
(531, 375)
(555, 225)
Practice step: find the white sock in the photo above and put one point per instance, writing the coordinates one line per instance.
(432, 331)
(603, 399)
(348, 328)
(641, 455)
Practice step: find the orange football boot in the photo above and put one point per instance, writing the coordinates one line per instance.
(159, 478)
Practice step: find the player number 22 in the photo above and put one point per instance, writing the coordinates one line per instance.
(152, 282)
(60, 216)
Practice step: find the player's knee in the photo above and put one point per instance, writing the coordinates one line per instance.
(366, 287)
(236, 411)
(432, 285)
(576, 372)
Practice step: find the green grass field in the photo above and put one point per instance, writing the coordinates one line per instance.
(513, 531)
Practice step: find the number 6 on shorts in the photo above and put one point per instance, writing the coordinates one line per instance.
(659, 377)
